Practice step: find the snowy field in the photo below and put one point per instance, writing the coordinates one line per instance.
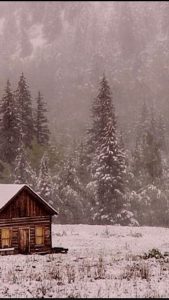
(102, 261)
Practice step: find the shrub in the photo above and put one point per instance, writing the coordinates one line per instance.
(153, 253)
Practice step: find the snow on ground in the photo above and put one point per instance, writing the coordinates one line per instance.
(102, 261)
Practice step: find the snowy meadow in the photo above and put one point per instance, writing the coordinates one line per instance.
(102, 261)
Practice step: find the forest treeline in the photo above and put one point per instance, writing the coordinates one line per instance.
(99, 179)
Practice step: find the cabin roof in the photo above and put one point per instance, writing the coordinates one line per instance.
(9, 191)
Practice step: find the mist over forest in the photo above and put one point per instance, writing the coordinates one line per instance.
(64, 47)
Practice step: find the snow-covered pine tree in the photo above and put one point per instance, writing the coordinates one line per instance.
(83, 176)
(98, 117)
(108, 163)
(41, 122)
(24, 111)
(161, 131)
(82, 163)
(45, 185)
(23, 172)
(147, 168)
(152, 152)
(147, 164)
(8, 126)
(110, 170)
(70, 193)
(137, 160)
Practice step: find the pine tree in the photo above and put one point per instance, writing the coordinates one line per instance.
(99, 117)
(70, 193)
(147, 168)
(161, 131)
(110, 170)
(24, 111)
(152, 152)
(82, 163)
(45, 186)
(147, 163)
(108, 163)
(8, 126)
(137, 160)
(23, 173)
(41, 122)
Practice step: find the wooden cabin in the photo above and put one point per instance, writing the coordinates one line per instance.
(25, 221)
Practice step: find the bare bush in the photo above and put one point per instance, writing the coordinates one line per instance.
(137, 270)
(70, 272)
(56, 273)
(100, 271)
(135, 234)
(106, 233)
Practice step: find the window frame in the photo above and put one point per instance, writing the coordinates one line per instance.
(40, 236)
(10, 237)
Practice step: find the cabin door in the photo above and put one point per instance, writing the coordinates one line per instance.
(24, 240)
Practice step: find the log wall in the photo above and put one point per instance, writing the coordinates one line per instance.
(17, 223)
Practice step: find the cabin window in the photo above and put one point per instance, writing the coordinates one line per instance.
(5, 237)
(39, 235)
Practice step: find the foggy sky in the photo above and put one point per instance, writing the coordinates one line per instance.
(64, 47)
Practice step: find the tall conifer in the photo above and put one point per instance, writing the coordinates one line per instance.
(108, 162)
(41, 122)
(8, 126)
(24, 111)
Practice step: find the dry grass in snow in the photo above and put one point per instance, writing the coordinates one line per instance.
(102, 261)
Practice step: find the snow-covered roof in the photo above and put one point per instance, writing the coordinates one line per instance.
(8, 191)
